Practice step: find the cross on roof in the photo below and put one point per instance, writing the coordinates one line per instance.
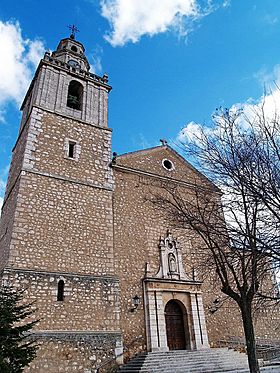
(73, 29)
(163, 142)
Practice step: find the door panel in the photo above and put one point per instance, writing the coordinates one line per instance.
(175, 330)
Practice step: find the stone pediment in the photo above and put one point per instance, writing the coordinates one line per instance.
(162, 161)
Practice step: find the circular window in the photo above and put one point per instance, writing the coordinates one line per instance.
(74, 49)
(167, 164)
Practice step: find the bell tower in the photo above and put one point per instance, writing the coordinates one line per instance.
(64, 85)
(56, 234)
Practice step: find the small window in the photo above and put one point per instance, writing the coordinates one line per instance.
(71, 149)
(74, 49)
(75, 95)
(60, 291)
(168, 165)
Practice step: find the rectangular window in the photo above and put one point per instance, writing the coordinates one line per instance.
(71, 149)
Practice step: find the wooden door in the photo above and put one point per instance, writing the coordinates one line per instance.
(176, 339)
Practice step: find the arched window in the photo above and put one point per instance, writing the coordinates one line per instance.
(75, 95)
(60, 290)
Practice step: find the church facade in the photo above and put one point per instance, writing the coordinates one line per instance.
(109, 274)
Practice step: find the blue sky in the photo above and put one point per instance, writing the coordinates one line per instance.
(170, 62)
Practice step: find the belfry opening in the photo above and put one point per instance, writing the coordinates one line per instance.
(75, 95)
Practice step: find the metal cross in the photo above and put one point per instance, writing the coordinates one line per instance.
(73, 29)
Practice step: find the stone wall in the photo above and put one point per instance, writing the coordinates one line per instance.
(63, 220)
(8, 211)
(73, 352)
(57, 224)
(46, 149)
(61, 226)
(139, 224)
(78, 334)
(6, 227)
(90, 303)
(17, 161)
(152, 161)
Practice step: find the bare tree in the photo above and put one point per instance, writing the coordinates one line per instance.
(239, 226)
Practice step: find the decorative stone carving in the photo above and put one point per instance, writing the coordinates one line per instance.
(171, 263)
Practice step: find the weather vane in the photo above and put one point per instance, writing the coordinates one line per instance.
(73, 29)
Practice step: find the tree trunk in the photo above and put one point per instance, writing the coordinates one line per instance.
(246, 310)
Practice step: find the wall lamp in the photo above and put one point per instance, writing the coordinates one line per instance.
(135, 303)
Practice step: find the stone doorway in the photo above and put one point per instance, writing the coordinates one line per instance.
(175, 328)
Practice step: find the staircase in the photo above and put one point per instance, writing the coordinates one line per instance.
(212, 360)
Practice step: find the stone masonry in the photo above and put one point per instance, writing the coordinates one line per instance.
(57, 216)
(138, 226)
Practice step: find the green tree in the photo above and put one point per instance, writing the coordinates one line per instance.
(16, 348)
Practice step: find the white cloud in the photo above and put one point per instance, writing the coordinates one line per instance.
(131, 19)
(269, 102)
(96, 65)
(190, 132)
(35, 52)
(269, 79)
(95, 60)
(19, 57)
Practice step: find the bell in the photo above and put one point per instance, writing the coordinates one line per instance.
(73, 102)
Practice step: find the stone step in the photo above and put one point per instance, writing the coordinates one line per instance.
(200, 367)
(270, 369)
(194, 355)
(182, 361)
(204, 369)
(195, 358)
(192, 370)
(235, 362)
(187, 360)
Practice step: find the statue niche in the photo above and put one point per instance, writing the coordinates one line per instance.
(171, 265)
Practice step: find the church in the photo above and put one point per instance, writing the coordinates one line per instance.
(109, 275)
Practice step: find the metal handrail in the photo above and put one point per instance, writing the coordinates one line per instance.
(266, 348)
